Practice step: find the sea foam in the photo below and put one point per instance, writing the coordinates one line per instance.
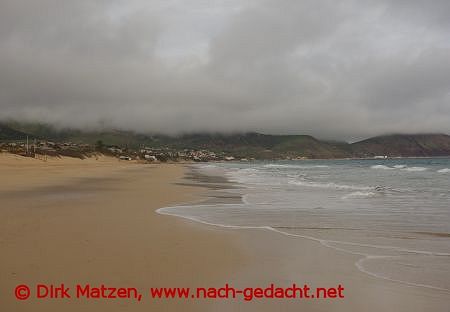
(359, 194)
(413, 169)
(331, 185)
(381, 167)
(281, 166)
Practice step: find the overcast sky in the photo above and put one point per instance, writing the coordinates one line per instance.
(343, 69)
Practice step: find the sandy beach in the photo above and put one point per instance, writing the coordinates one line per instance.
(93, 221)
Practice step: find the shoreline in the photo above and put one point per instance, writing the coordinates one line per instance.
(404, 294)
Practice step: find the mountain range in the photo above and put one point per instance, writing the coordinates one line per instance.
(244, 145)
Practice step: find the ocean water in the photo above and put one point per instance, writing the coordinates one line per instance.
(394, 214)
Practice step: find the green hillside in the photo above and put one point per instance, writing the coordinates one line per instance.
(10, 134)
(244, 145)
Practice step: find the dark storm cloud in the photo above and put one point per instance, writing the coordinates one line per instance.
(334, 69)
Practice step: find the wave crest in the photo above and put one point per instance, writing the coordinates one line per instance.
(412, 169)
(382, 167)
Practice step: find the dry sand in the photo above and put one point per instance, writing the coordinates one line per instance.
(93, 221)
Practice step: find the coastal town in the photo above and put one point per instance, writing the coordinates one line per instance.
(41, 149)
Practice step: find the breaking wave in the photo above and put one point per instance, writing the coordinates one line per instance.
(359, 194)
(382, 167)
(331, 185)
(415, 169)
(294, 166)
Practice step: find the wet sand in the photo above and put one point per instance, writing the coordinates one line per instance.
(283, 260)
(93, 221)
